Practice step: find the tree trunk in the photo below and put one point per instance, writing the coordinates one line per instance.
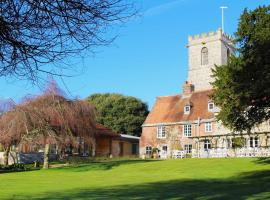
(6, 155)
(46, 156)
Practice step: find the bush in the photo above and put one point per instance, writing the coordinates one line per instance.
(16, 168)
(155, 150)
(238, 142)
(188, 155)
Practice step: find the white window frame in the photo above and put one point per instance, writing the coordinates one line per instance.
(207, 144)
(188, 148)
(148, 150)
(187, 109)
(213, 106)
(208, 127)
(254, 142)
(187, 130)
(161, 132)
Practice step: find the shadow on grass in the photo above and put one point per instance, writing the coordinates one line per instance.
(265, 160)
(17, 168)
(5, 171)
(247, 185)
(102, 165)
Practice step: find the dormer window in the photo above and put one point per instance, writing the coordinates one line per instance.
(211, 106)
(187, 109)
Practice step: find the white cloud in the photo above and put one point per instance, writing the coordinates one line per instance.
(157, 10)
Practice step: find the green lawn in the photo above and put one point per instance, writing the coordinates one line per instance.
(241, 178)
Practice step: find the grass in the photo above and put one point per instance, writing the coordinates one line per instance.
(231, 178)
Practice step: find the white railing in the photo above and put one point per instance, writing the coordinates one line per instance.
(178, 154)
(163, 154)
(217, 153)
(223, 152)
(252, 152)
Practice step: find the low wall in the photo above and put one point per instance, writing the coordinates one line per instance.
(11, 159)
(26, 158)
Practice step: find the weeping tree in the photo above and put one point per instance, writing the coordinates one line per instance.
(48, 119)
(6, 138)
(36, 33)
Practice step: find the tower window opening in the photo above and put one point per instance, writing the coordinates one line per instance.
(204, 56)
(228, 55)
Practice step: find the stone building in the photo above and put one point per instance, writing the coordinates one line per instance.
(186, 124)
(111, 144)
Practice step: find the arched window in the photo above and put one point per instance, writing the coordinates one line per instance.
(204, 55)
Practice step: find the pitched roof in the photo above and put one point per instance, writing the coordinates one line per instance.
(170, 109)
(101, 130)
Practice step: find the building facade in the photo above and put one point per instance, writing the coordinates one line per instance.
(106, 143)
(185, 124)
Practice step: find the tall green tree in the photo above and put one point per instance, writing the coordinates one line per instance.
(123, 114)
(242, 87)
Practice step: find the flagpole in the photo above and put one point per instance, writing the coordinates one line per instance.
(222, 17)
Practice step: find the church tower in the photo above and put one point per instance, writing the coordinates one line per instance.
(204, 51)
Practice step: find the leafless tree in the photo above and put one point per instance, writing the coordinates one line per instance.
(47, 119)
(6, 105)
(36, 33)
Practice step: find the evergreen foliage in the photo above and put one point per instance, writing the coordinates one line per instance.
(123, 114)
(242, 87)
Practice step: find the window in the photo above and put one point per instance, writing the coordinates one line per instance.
(211, 106)
(253, 142)
(207, 144)
(188, 148)
(161, 132)
(208, 127)
(187, 109)
(228, 54)
(134, 149)
(187, 130)
(204, 56)
(148, 150)
(164, 148)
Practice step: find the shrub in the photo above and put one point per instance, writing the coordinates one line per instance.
(155, 150)
(238, 142)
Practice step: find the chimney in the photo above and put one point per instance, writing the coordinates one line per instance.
(188, 88)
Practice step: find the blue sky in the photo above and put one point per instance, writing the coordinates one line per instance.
(149, 57)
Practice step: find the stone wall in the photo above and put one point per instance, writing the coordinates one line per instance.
(217, 44)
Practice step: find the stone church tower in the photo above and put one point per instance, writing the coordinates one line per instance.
(204, 51)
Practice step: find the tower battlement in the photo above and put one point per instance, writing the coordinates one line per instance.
(209, 35)
(204, 52)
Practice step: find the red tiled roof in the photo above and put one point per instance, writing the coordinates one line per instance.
(171, 108)
(101, 130)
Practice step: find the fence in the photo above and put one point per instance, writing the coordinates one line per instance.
(238, 152)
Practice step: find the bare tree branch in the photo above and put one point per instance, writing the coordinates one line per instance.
(36, 33)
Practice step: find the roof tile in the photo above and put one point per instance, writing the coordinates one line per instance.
(170, 109)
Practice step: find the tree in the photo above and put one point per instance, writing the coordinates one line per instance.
(241, 88)
(5, 106)
(48, 119)
(122, 114)
(36, 33)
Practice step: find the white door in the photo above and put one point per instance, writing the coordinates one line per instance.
(164, 152)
